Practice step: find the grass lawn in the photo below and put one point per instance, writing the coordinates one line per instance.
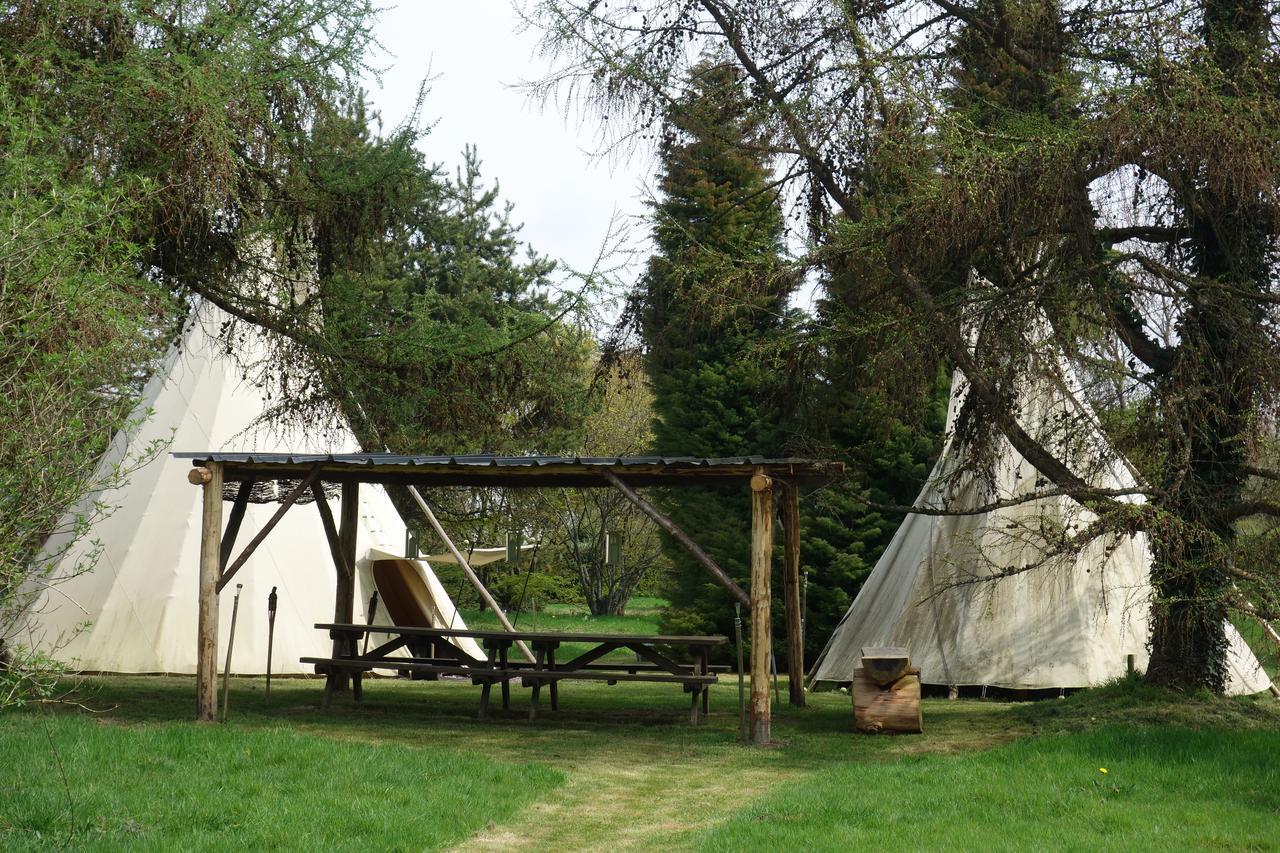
(620, 768)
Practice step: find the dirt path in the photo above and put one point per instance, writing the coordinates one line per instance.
(609, 803)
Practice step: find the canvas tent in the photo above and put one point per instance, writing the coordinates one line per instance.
(139, 602)
(1072, 622)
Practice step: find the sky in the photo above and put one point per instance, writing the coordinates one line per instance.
(541, 156)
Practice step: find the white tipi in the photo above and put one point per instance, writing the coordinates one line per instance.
(136, 610)
(1071, 622)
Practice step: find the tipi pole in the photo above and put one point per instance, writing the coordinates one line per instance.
(761, 632)
(468, 571)
(231, 642)
(791, 583)
(210, 478)
(272, 601)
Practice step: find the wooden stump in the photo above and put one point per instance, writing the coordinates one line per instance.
(894, 707)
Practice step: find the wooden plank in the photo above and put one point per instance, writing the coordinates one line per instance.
(525, 671)
(531, 636)
(289, 501)
(207, 618)
(720, 575)
(885, 664)
(791, 587)
(761, 627)
(233, 523)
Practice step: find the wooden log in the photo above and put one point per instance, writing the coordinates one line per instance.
(761, 627)
(791, 585)
(659, 518)
(289, 501)
(893, 708)
(199, 476)
(234, 521)
(468, 571)
(344, 600)
(207, 618)
(885, 664)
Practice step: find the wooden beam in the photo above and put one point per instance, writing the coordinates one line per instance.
(721, 576)
(344, 600)
(336, 551)
(791, 586)
(761, 627)
(289, 501)
(207, 618)
(468, 571)
(233, 523)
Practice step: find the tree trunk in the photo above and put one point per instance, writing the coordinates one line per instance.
(1188, 626)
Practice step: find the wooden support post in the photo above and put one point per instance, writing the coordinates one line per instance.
(791, 583)
(207, 620)
(721, 576)
(344, 600)
(761, 630)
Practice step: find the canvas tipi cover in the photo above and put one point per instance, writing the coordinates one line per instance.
(1069, 623)
(136, 610)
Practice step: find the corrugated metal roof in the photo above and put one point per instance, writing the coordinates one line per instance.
(486, 460)
(531, 471)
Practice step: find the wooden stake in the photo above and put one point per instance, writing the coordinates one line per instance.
(742, 700)
(761, 631)
(272, 601)
(207, 619)
(791, 585)
(721, 576)
(468, 571)
(231, 642)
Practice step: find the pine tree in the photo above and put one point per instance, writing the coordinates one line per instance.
(714, 292)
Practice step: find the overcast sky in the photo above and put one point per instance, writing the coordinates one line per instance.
(541, 157)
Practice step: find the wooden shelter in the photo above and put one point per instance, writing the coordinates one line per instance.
(213, 471)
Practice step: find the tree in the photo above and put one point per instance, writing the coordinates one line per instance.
(1027, 179)
(609, 543)
(715, 289)
(140, 139)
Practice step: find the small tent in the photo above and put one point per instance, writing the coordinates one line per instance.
(135, 611)
(1070, 622)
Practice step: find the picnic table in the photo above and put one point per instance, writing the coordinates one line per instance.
(431, 654)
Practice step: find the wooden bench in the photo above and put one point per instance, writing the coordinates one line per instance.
(498, 668)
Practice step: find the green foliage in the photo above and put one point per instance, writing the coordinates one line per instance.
(713, 295)
(842, 534)
(78, 322)
(437, 336)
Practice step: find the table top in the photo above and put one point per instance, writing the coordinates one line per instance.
(532, 636)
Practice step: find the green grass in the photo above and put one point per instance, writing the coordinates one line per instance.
(620, 767)
(179, 785)
(1164, 788)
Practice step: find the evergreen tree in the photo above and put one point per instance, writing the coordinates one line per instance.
(714, 290)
